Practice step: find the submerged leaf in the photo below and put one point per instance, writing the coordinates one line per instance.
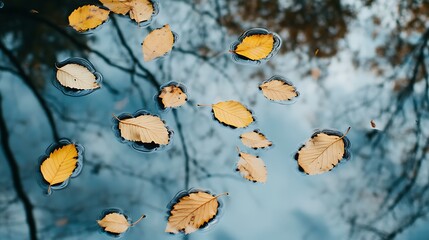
(158, 43)
(88, 17)
(145, 129)
(252, 167)
(60, 164)
(322, 152)
(77, 77)
(255, 47)
(255, 140)
(192, 212)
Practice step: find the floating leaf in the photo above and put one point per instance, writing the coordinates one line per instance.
(139, 10)
(117, 6)
(278, 89)
(77, 77)
(145, 129)
(255, 140)
(60, 164)
(87, 17)
(158, 43)
(232, 113)
(172, 95)
(255, 47)
(322, 152)
(192, 212)
(252, 167)
(116, 223)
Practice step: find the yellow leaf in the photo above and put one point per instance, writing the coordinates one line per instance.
(158, 43)
(252, 167)
(145, 129)
(256, 47)
(116, 223)
(77, 77)
(255, 140)
(87, 17)
(322, 152)
(172, 96)
(278, 90)
(117, 6)
(232, 113)
(192, 211)
(141, 10)
(60, 164)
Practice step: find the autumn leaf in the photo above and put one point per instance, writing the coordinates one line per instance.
(255, 139)
(60, 164)
(232, 113)
(144, 128)
(139, 10)
(373, 125)
(192, 211)
(117, 6)
(252, 167)
(77, 77)
(116, 223)
(158, 43)
(172, 96)
(255, 47)
(322, 152)
(87, 17)
(278, 89)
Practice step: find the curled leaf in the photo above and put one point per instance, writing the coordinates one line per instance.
(255, 139)
(172, 95)
(158, 43)
(192, 212)
(139, 10)
(322, 152)
(87, 17)
(252, 167)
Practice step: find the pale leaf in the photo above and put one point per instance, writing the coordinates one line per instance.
(158, 43)
(278, 90)
(145, 129)
(255, 140)
(322, 152)
(77, 77)
(172, 96)
(252, 167)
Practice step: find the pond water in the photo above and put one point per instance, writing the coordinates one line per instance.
(358, 64)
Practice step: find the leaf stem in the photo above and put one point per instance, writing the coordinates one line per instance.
(138, 220)
(222, 194)
(116, 117)
(204, 105)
